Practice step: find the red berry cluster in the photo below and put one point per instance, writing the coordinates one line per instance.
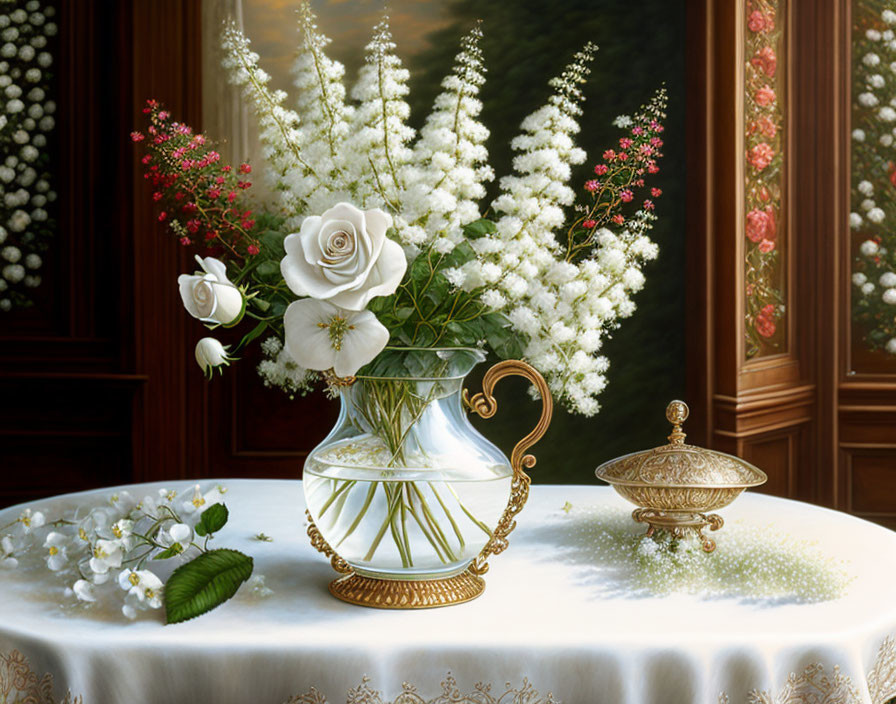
(203, 201)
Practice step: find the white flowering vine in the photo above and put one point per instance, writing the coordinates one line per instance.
(27, 117)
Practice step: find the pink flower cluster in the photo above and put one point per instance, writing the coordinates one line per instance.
(201, 196)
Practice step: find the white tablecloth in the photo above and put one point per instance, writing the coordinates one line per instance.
(552, 621)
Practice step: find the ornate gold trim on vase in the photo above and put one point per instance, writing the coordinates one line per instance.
(416, 593)
(676, 486)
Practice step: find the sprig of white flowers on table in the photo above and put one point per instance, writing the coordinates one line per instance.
(125, 546)
(26, 118)
(873, 195)
(380, 241)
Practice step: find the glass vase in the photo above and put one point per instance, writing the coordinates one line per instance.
(404, 495)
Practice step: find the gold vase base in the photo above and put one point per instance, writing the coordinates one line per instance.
(407, 593)
(680, 524)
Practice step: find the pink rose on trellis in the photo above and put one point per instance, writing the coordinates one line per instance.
(764, 96)
(766, 61)
(766, 246)
(765, 321)
(761, 156)
(761, 225)
(759, 22)
(767, 126)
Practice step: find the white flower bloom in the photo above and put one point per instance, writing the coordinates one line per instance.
(859, 278)
(177, 534)
(199, 501)
(869, 248)
(123, 531)
(8, 548)
(859, 135)
(889, 296)
(868, 288)
(84, 590)
(321, 336)
(11, 254)
(33, 261)
(888, 16)
(868, 100)
(210, 296)
(106, 554)
(873, 35)
(144, 586)
(891, 345)
(876, 215)
(871, 59)
(865, 188)
(211, 354)
(57, 545)
(30, 520)
(887, 280)
(344, 257)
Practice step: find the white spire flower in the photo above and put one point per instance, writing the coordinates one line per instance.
(450, 159)
(343, 256)
(321, 102)
(210, 296)
(211, 355)
(321, 336)
(378, 142)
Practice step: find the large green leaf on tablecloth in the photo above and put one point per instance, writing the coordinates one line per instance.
(205, 583)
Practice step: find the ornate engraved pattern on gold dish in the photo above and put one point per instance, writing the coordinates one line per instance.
(19, 684)
(675, 486)
(429, 593)
(450, 694)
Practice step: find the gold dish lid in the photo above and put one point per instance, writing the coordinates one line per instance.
(680, 465)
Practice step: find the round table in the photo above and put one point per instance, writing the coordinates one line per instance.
(555, 623)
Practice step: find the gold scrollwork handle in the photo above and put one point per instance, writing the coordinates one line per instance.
(485, 405)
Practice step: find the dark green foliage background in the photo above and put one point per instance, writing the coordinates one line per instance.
(642, 45)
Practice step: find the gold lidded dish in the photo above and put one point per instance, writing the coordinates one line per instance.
(677, 485)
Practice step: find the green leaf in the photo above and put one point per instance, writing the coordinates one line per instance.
(205, 583)
(212, 519)
(260, 303)
(268, 269)
(479, 228)
(175, 549)
(252, 334)
(272, 242)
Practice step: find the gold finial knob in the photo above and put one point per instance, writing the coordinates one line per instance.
(677, 413)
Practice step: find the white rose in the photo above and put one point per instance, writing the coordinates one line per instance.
(210, 295)
(890, 296)
(855, 220)
(876, 215)
(865, 188)
(871, 59)
(344, 257)
(859, 278)
(868, 288)
(321, 336)
(859, 135)
(888, 280)
(888, 16)
(211, 354)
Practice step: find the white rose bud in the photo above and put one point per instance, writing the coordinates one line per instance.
(210, 296)
(211, 355)
(344, 257)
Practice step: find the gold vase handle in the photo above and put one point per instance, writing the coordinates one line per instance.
(485, 405)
